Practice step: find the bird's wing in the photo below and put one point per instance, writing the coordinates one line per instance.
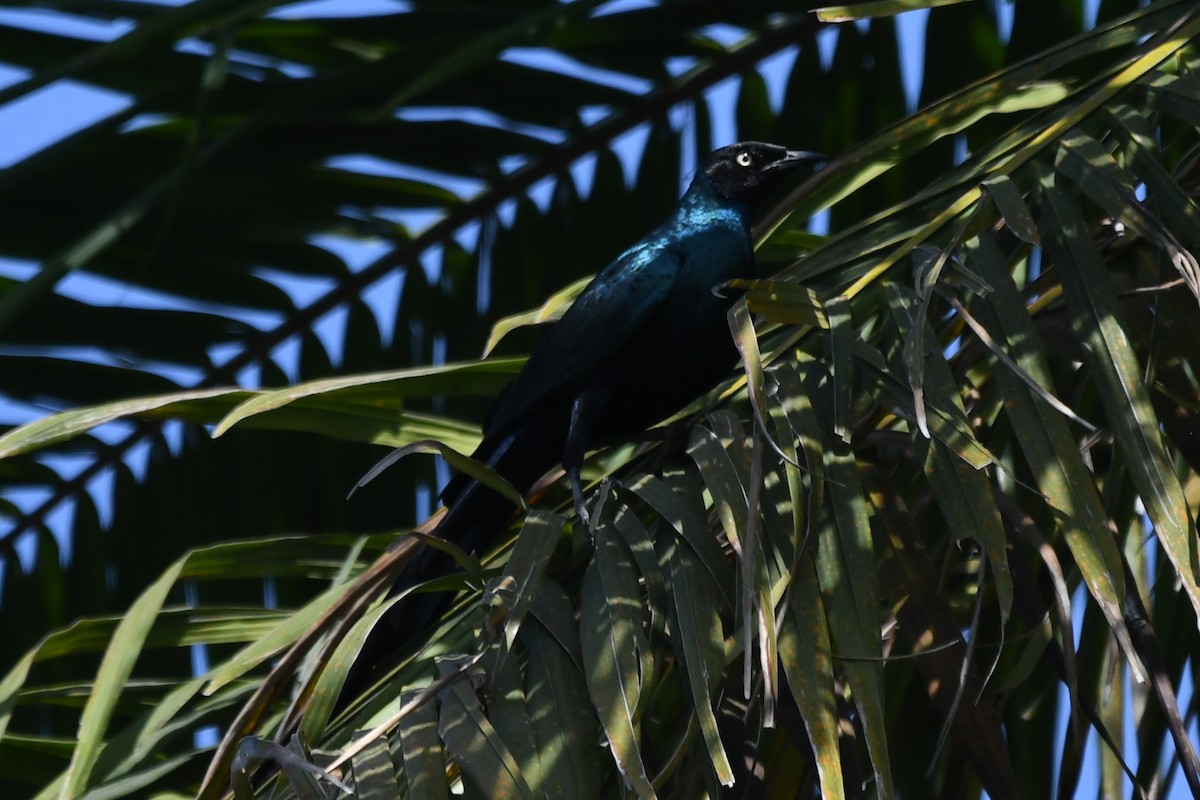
(603, 318)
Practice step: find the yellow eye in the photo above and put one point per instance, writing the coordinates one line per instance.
(744, 159)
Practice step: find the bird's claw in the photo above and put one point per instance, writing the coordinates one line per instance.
(581, 510)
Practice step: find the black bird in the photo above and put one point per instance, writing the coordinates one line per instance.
(647, 336)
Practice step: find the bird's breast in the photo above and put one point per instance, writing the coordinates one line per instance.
(713, 253)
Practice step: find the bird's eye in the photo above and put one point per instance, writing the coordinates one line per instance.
(744, 159)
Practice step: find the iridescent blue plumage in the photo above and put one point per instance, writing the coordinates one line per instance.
(644, 338)
(658, 284)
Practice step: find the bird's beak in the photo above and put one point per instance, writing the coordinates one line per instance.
(795, 158)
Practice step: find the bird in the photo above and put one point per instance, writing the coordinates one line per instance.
(646, 336)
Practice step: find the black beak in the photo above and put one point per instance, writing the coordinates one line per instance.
(795, 158)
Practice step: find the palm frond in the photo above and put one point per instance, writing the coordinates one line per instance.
(968, 409)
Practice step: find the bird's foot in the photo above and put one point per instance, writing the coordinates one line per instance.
(581, 509)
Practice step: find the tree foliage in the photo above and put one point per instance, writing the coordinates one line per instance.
(947, 503)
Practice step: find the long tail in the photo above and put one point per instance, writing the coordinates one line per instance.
(475, 518)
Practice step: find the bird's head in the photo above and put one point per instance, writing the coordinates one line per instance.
(747, 171)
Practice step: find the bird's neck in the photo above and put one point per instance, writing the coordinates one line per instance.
(703, 194)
